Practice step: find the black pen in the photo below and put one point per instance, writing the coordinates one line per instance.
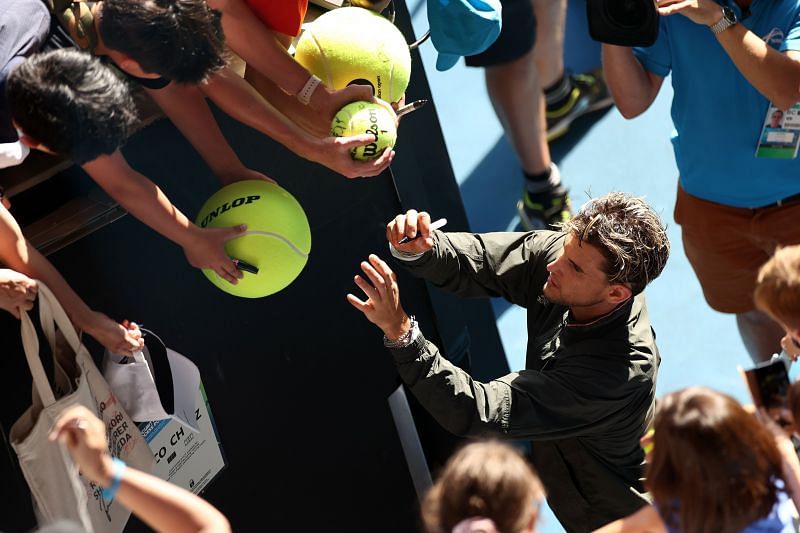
(435, 225)
(413, 106)
(244, 266)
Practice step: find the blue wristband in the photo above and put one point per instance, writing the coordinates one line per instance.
(119, 467)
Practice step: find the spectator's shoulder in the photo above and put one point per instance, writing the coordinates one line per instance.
(27, 15)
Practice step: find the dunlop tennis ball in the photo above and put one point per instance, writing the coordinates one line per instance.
(277, 241)
(366, 117)
(355, 45)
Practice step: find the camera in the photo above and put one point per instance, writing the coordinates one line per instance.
(623, 22)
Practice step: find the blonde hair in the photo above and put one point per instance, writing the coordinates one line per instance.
(778, 286)
(486, 479)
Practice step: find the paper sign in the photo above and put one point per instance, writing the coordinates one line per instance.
(186, 458)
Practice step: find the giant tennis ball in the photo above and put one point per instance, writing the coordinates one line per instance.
(356, 45)
(277, 240)
(366, 117)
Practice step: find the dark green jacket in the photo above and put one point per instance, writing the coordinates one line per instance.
(585, 397)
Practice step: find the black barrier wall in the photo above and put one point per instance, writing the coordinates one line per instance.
(298, 381)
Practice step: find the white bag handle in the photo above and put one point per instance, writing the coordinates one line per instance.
(50, 312)
(30, 344)
(48, 326)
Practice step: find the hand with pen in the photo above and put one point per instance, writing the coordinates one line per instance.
(411, 232)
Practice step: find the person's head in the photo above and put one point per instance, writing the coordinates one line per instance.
(776, 119)
(68, 103)
(713, 465)
(614, 247)
(179, 39)
(488, 480)
(777, 291)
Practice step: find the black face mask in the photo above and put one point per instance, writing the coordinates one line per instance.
(623, 22)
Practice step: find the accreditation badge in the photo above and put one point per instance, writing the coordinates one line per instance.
(780, 135)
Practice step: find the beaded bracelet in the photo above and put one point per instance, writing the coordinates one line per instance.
(119, 467)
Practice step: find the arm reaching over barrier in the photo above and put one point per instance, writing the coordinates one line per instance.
(161, 505)
(18, 290)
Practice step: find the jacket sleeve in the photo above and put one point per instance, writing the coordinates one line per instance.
(529, 404)
(490, 264)
(460, 404)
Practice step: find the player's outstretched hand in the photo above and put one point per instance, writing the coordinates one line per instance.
(382, 306)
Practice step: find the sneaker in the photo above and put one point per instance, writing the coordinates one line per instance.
(589, 93)
(545, 210)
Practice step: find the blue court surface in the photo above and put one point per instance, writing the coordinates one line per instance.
(601, 153)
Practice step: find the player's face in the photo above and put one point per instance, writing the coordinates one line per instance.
(777, 117)
(576, 277)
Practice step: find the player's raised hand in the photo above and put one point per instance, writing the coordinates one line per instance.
(414, 226)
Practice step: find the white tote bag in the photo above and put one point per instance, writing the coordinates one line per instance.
(58, 490)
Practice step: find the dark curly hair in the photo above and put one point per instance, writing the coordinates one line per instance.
(71, 103)
(628, 233)
(179, 39)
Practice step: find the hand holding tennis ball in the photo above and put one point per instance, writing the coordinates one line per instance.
(378, 119)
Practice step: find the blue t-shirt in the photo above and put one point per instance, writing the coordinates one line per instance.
(717, 114)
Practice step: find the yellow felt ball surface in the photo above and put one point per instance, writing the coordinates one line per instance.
(366, 117)
(277, 241)
(353, 44)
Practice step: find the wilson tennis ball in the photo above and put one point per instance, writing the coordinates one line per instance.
(366, 117)
(277, 241)
(355, 45)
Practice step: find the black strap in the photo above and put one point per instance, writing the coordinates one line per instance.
(161, 370)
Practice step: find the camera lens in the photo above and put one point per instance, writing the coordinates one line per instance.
(627, 13)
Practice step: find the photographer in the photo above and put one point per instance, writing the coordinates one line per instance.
(726, 66)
